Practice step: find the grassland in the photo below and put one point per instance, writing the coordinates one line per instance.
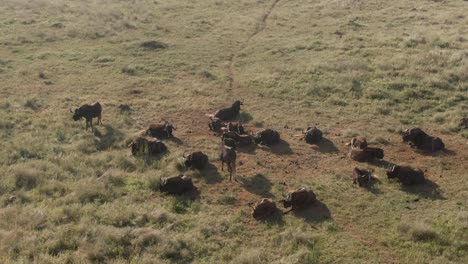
(364, 68)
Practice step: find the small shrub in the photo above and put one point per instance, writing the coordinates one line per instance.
(153, 45)
(26, 178)
(32, 104)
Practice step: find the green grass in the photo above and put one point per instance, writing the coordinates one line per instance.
(353, 68)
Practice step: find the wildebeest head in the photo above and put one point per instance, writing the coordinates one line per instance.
(286, 203)
(76, 115)
(236, 105)
(187, 161)
(392, 172)
(379, 153)
(169, 128)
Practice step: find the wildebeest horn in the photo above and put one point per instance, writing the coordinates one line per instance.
(183, 155)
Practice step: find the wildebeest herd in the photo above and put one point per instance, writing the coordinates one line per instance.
(233, 135)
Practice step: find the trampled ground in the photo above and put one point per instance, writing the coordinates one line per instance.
(367, 68)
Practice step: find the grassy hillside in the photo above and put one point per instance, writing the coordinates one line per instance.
(367, 68)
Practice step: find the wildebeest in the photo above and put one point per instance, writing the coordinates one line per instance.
(147, 146)
(88, 112)
(361, 177)
(236, 127)
(161, 130)
(228, 155)
(241, 140)
(313, 135)
(419, 139)
(230, 112)
(406, 174)
(358, 143)
(299, 199)
(176, 185)
(216, 124)
(366, 154)
(267, 137)
(229, 142)
(263, 209)
(196, 160)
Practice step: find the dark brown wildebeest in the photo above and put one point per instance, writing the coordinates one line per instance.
(161, 130)
(358, 143)
(263, 209)
(216, 124)
(419, 139)
(267, 137)
(147, 146)
(176, 185)
(299, 199)
(313, 135)
(230, 112)
(236, 127)
(228, 155)
(229, 142)
(196, 160)
(88, 112)
(406, 175)
(240, 140)
(366, 154)
(361, 177)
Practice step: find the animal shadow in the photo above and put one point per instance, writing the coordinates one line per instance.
(372, 186)
(109, 138)
(315, 213)
(440, 153)
(276, 219)
(257, 184)
(211, 174)
(326, 146)
(428, 190)
(176, 140)
(282, 148)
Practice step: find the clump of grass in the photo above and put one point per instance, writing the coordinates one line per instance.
(93, 192)
(349, 133)
(153, 45)
(252, 256)
(25, 178)
(145, 237)
(227, 198)
(33, 104)
(418, 232)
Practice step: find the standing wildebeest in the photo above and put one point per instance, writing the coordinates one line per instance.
(88, 112)
(197, 160)
(421, 140)
(176, 185)
(230, 112)
(161, 130)
(228, 155)
(406, 175)
(267, 137)
(366, 154)
(299, 199)
(361, 177)
(313, 135)
(263, 209)
(147, 146)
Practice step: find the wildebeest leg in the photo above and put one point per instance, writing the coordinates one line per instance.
(287, 212)
(100, 120)
(230, 171)
(222, 164)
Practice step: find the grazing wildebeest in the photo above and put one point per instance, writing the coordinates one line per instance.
(228, 155)
(406, 174)
(421, 140)
(196, 160)
(216, 124)
(263, 209)
(88, 112)
(230, 112)
(176, 185)
(161, 130)
(366, 154)
(299, 199)
(147, 146)
(267, 137)
(361, 177)
(313, 135)
(358, 143)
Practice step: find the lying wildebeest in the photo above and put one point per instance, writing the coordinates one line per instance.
(147, 146)
(299, 199)
(463, 123)
(196, 160)
(176, 185)
(230, 112)
(263, 209)
(216, 124)
(88, 112)
(229, 142)
(421, 140)
(267, 137)
(361, 177)
(228, 155)
(358, 143)
(161, 130)
(241, 140)
(406, 175)
(366, 154)
(313, 135)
